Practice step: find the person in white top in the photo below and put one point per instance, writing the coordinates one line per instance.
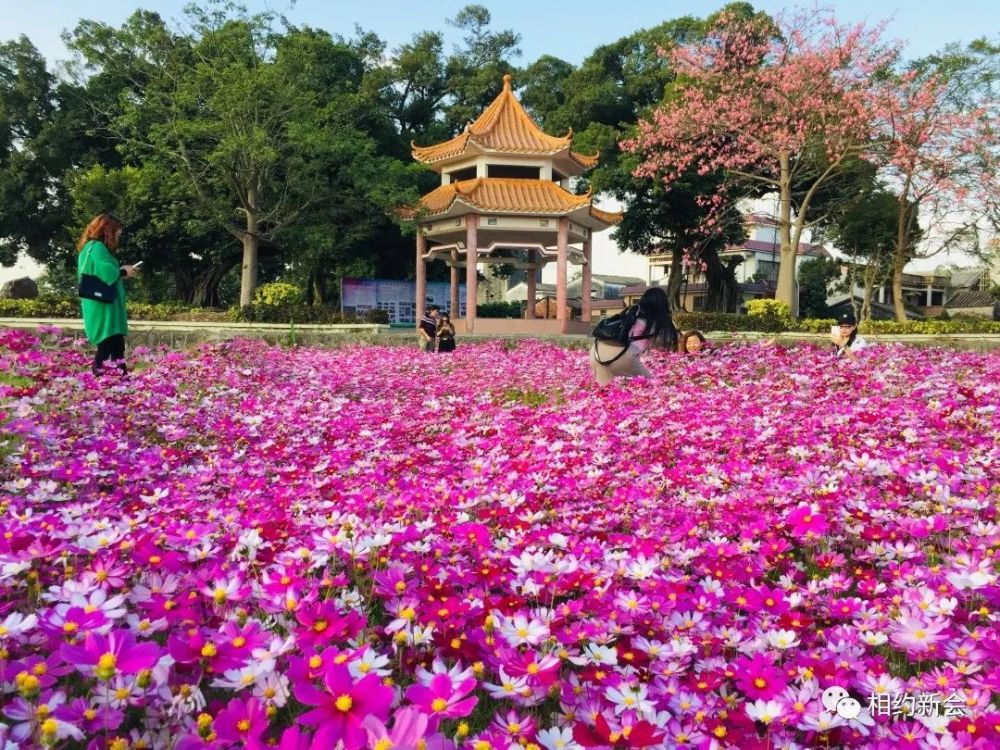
(845, 338)
(653, 326)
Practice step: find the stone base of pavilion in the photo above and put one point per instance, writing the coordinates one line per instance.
(522, 326)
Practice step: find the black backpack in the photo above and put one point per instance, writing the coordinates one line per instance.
(616, 330)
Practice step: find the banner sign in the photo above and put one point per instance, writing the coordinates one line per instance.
(398, 298)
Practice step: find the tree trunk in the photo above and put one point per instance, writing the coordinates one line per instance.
(723, 289)
(674, 281)
(897, 287)
(250, 240)
(316, 288)
(786, 290)
(206, 285)
(866, 304)
(899, 254)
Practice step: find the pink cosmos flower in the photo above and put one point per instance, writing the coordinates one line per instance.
(441, 699)
(759, 678)
(342, 706)
(806, 521)
(111, 654)
(917, 636)
(241, 721)
(407, 731)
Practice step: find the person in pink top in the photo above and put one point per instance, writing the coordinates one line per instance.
(653, 327)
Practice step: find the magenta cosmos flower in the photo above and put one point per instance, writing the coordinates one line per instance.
(759, 678)
(242, 721)
(441, 698)
(111, 654)
(340, 709)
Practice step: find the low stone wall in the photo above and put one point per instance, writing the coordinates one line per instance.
(181, 335)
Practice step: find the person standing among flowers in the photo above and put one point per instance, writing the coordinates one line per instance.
(653, 327)
(445, 334)
(105, 323)
(428, 329)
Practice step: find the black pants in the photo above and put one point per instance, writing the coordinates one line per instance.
(113, 348)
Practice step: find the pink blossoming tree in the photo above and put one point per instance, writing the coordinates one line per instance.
(940, 152)
(784, 108)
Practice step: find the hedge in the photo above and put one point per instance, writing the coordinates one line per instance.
(773, 324)
(60, 307)
(257, 313)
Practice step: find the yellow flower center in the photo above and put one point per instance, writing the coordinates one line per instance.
(344, 703)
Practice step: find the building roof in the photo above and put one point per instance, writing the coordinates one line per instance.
(503, 126)
(970, 298)
(610, 279)
(606, 304)
(816, 251)
(513, 196)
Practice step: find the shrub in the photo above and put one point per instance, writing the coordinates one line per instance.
(770, 308)
(930, 327)
(40, 307)
(499, 310)
(278, 294)
(301, 314)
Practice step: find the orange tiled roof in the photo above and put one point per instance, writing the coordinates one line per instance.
(509, 195)
(503, 126)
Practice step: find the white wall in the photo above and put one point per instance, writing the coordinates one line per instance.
(607, 258)
(25, 266)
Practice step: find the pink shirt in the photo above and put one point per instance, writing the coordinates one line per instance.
(639, 328)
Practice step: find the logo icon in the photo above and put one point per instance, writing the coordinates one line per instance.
(839, 701)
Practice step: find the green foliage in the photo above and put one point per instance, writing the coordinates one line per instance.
(278, 294)
(815, 277)
(298, 313)
(499, 310)
(40, 307)
(930, 327)
(773, 314)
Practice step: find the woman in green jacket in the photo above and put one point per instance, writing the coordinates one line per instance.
(104, 322)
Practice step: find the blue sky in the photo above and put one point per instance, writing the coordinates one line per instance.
(570, 30)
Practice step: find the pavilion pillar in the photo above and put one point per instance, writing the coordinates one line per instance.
(585, 290)
(562, 261)
(532, 282)
(453, 299)
(471, 260)
(421, 292)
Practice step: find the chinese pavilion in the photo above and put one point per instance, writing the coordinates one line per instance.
(504, 199)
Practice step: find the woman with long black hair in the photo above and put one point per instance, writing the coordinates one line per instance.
(653, 327)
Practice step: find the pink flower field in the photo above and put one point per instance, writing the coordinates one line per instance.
(247, 546)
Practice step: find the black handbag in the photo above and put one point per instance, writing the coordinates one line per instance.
(91, 287)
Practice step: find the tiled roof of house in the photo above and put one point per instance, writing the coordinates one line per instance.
(606, 304)
(970, 298)
(817, 251)
(611, 279)
(503, 126)
(513, 196)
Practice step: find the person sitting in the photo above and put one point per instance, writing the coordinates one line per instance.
(845, 337)
(445, 334)
(653, 326)
(692, 342)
